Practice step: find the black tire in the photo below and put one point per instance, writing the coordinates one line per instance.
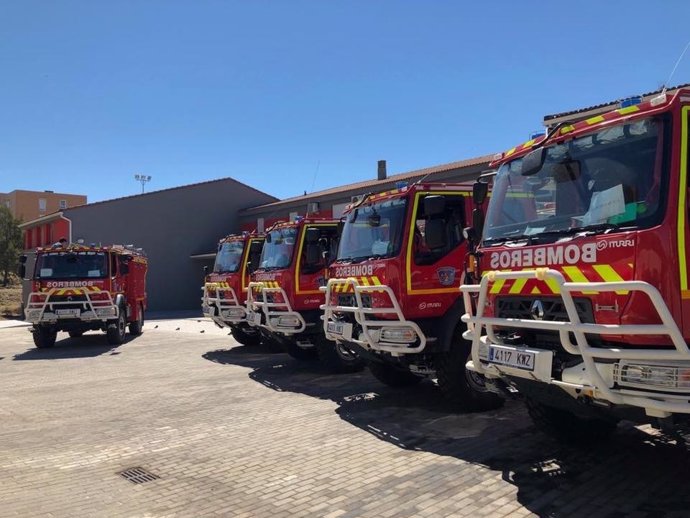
(392, 376)
(567, 427)
(44, 337)
(117, 329)
(244, 338)
(337, 358)
(299, 353)
(462, 388)
(137, 327)
(75, 334)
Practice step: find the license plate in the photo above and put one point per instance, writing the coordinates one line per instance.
(68, 312)
(341, 329)
(511, 357)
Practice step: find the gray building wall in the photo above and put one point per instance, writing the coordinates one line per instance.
(327, 199)
(170, 225)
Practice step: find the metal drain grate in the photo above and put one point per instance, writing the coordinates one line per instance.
(138, 475)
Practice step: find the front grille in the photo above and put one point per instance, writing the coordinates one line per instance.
(553, 308)
(68, 302)
(348, 300)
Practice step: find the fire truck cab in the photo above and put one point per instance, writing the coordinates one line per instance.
(582, 300)
(225, 288)
(82, 288)
(284, 296)
(392, 294)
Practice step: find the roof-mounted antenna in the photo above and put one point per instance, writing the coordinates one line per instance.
(662, 96)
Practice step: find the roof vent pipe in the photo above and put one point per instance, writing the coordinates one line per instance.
(382, 170)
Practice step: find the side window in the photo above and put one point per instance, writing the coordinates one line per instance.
(436, 235)
(319, 254)
(254, 255)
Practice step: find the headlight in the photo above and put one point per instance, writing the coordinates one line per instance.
(398, 334)
(106, 312)
(234, 313)
(662, 377)
(286, 321)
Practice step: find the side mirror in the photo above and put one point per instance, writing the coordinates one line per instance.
(434, 205)
(268, 238)
(205, 270)
(533, 161)
(478, 222)
(22, 259)
(312, 235)
(341, 226)
(435, 234)
(480, 191)
(21, 271)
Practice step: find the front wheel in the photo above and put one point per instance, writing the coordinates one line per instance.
(463, 388)
(243, 337)
(336, 357)
(117, 329)
(567, 427)
(392, 376)
(44, 337)
(137, 327)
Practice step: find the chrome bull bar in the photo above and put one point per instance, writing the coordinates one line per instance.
(229, 309)
(37, 312)
(372, 335)
(593, 383)
(278, 316)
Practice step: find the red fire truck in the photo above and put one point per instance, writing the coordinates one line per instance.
(284, 295)
(225, 288)
(82, 288)
(583, 302)
(392, 294)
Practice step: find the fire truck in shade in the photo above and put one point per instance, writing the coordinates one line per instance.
(582, 300)
(392, 294)
(284, 295)
(225, 288)
(83, 288)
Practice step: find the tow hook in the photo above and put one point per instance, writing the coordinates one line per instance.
(500, 387)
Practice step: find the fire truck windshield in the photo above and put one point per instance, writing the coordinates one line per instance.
(71, 265)
(229, 257)
(373, 231)
(606, 180)
(278, 248)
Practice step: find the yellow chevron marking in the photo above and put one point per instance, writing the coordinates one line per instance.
(609, 275)
(497, 285)
(376, 281)
(567, 129)
(517, 286)
(510, 151)
(529, 143)
(576, 275)
(553, 285)
(594, 120)
(365, 281)
(536, 291)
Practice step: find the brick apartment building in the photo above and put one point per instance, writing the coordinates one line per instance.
(31, 205)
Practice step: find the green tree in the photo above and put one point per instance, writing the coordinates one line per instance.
(10, 244)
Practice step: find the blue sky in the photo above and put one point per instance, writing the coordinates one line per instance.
(289, 96)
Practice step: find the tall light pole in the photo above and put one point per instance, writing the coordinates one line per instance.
(143, 179)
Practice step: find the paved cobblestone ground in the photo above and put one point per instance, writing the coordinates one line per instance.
(241, 431)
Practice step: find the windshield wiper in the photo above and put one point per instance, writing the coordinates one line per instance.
(513, 238)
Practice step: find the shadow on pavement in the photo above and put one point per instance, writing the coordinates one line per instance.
(86, 346)
(636, 473)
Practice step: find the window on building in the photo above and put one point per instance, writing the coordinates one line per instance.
(42, 204)
(63, 204)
